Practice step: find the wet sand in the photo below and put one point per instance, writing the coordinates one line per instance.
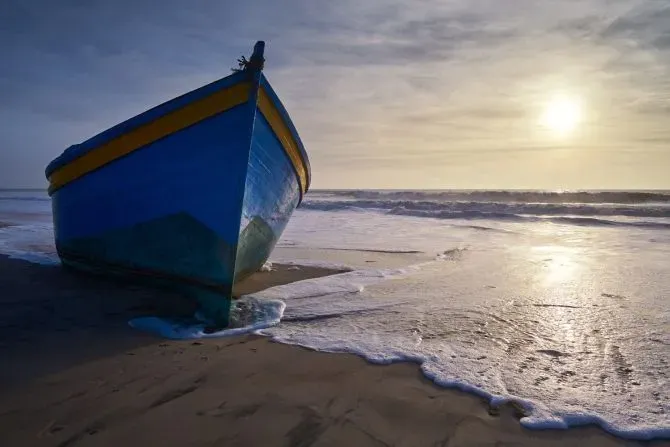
(74, 374)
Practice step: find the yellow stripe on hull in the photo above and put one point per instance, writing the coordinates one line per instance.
(284, 135)
(173, 122)
(149, 133)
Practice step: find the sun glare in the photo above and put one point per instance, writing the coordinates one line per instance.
(562, 115)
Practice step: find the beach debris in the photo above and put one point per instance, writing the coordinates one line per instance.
(613, 295)
(454, 254)
(518, 410)
(552, 352)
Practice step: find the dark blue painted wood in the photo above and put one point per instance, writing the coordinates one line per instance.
(196, 210)
(200, 170)
(78, 150)
(271, 194)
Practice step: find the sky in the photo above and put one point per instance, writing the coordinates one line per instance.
(384, 93)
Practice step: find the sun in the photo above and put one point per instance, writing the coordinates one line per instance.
(562, 115)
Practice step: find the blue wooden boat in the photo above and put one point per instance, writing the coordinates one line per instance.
(192, 194)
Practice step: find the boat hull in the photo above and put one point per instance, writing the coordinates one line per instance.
(271, 194)
(197, 209)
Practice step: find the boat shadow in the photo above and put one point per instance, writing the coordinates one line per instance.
(52, 319)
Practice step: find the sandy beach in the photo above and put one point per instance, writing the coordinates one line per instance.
(76, 374)
(452, 219)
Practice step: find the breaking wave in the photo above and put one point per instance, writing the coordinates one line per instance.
(624, 197)
(655, 215)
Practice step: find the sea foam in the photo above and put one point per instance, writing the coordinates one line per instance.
(248, 316)
(252, 313)
(29, 242)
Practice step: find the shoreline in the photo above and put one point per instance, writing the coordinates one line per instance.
(81, 376)
(250, 390)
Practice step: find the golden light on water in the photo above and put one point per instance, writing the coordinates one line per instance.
(562, 115)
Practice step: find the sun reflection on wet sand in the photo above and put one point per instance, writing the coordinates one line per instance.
(561, 263)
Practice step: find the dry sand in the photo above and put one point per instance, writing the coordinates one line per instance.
(74, 374)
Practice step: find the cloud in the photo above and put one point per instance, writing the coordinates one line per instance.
(647, 24)
(384, 80)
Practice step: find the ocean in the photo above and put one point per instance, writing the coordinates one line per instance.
(556, 300)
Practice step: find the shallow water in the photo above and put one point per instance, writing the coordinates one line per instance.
(571, 320)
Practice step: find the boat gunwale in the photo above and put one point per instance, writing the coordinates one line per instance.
(162, 111)
(274, 98)
(142, 119)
